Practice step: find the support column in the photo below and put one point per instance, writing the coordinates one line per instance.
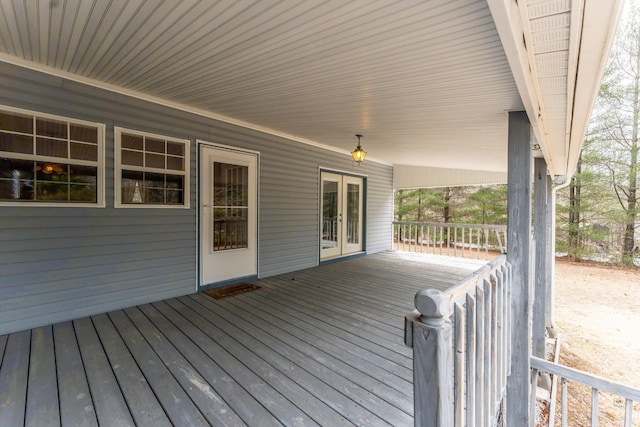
(519, 177)
(542, 234)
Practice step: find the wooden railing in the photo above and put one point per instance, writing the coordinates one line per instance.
(461, 357)
(596, 384)
(481, 241)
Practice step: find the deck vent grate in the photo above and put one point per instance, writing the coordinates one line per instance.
(232, 290)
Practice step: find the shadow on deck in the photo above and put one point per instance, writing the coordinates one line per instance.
(321, 346)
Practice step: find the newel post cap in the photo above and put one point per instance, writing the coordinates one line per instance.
(433, 305)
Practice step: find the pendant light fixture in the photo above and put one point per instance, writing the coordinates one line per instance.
(358, 154)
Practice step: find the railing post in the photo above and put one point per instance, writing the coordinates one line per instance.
(428, 331)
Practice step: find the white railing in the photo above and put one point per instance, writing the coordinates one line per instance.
(481, 241)
(461, 349)
(597, 385)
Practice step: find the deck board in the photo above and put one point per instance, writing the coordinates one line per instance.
(143, 404)
(13, 379)
(76, 406)
(217, 378)
(321, 346)
(108, 401)
(175, 402)
(212, 406)
(385, 387)
(313, 378)
(42, 394)
(328, 335)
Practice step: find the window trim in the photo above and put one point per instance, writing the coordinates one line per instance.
(118, 168)
(100, 163)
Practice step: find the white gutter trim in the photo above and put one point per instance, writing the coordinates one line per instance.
(586, 89)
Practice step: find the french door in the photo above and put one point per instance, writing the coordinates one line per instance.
(228, 215)
(341, 214)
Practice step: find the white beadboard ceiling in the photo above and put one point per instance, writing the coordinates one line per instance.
(428, 83)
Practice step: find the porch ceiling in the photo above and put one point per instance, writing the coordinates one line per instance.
(427, 83)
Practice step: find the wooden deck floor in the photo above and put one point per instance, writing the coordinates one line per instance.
(322, 346)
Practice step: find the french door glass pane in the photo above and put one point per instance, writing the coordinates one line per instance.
(230, 206)
(353, 213)
(329, 214)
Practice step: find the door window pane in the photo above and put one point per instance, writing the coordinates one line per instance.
(230, 206)
(353, 213)
(329, 214)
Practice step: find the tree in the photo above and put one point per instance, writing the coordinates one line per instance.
(476, 205)
(615, 124)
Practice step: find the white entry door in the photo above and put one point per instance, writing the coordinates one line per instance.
(228, 215)
(341, 213)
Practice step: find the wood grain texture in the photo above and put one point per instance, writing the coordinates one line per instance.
(519, 255)
(42, 396)
(543, 266)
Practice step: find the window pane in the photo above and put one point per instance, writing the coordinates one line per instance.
(154, 161)
(133, 142)
(83, 193)
(51, 147)
(154, 145)
(51, 128)
(175, 163)
(132, 187)
(84, 151)
(175, 149)
(133, 158)
(175, 197)
(83, 175)
(52, 191)
(16, 179)
(43, 178)
(51, 171)
(84, 133)
(16, 122)
(154, 186)
(16, 143)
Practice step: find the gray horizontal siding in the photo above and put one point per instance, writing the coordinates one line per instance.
(379, 210)
(62, 263)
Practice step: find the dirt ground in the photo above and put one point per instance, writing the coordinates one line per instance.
(597, 314)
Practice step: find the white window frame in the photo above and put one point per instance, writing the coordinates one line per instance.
(118, 168)
(99, 164)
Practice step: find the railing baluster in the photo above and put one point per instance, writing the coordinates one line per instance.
(462, 242)
(474, 241)
(594, 407)
(455, 241)
(404, 229)
(459, 345)
(485, 235)
(487, 351)
(494, 343)
(480, 331)
(471, 359)
(597, 384)
(563, 398)
(628, 412)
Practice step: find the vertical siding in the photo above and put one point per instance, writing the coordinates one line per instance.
(59, 263)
